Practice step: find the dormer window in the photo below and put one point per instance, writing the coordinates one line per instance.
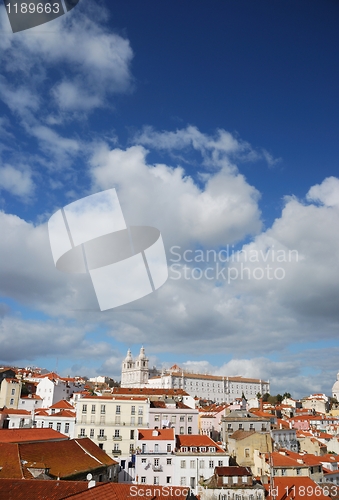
(193, 449)
(211, 449)
(184, 449)
(202, 449)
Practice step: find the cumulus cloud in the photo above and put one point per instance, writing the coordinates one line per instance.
(16, 182)
(225, 210)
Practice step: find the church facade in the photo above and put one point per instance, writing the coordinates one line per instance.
(220, 389)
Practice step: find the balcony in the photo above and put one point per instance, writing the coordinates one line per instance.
(116, 452)
(157, 468)
(117, 438)
(102, 438)
(82, 435)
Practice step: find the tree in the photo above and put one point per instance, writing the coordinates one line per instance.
(266, 397)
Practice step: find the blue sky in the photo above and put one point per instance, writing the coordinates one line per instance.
(218, 124)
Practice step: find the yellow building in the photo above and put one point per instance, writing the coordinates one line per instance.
(10, 390)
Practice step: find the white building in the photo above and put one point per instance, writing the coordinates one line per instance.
(173, 414)
(165, 459)
(136, 373)
(52, 388)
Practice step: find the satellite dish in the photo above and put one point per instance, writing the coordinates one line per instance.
(89, 477)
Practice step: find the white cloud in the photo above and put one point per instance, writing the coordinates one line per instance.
(225, 210)
(327, 192)
(16, 182)
(217, 151)
(97, 61)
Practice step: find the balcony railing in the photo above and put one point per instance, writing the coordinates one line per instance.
(117, 438)
(157, 468)
(82, 435)
(102, 438)
(116, 452)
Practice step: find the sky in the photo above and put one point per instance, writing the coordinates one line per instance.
(216, 123)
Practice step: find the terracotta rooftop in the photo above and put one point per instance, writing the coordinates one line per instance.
(149, 391)
(121, 491)
(62, 404)
(82, 456)
(197, 440)
(30, 435)
(162, 434)
(35, 489)
(294, 488)
(232, 471)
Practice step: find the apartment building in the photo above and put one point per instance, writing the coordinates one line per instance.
(112, 422)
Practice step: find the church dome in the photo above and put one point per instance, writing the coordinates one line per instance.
(335, 388)
(129, 356)
(142, 354)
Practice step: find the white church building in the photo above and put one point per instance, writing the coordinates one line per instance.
(136, 373)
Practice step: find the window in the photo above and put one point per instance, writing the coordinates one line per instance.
(82, 432)
(169, 448)
(115, 447)
(202, 464)
(211, 464)
(156, 418)
(11, 402)
(103, 409)
(143, 479)
(58, 428)
(91, 433)
(229, 426)
(189, 430)
(234, 479)
(131, 448)
(283, 472)
(84, 408)
(192, 464)
(240, 426)
(131, 435)
(156, 448)
(169, 461)
(193, 449)
(101, 432)
(168, 480)
(156, 462)
(182, 481)
(184, 449)
(139, 420)
(140, 410)
(118, 409)
(298, 472)
(117, 419)
(247, 452)
(50, 425)
(53, 411)
(173, 419)
(13, 392)
(182, 419)
(183, 464)
(190, 418)
(220, 463)
(181, 430)
(143, 460)
(156, 480)
(117, 433)
(93, 409)
(202, 449)
(132, 410)
(244, 479)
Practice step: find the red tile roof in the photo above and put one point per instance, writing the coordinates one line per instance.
(82, 456)
(162, 434)
(294, 488)
(197, 440)
(232, 471)
(30, 435)
(35, 489)
(62, 404)
(121, 491)
(149, 391)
